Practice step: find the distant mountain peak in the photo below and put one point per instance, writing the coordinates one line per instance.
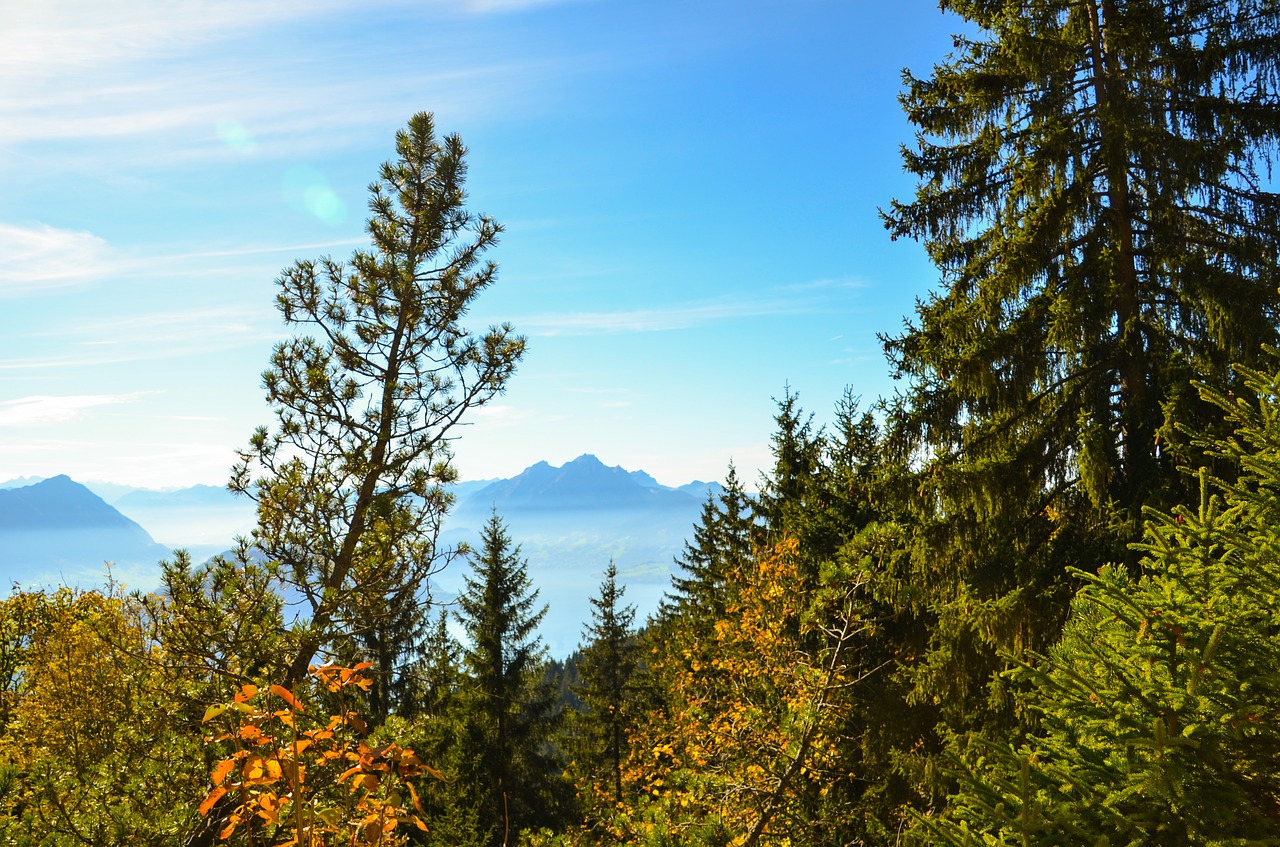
(59, 523)
(645, 479)
(584, 483)
(56, 501)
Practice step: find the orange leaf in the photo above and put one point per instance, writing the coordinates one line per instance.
(417, 804)
(367, 781)
(247, 692)
(213, 797)
(257, 771)
(221, 770)
(287, 696)
(269, 808)
(273, 769)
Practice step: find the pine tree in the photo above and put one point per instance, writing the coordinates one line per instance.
(366, 395)
(508, 706)
(606, 667)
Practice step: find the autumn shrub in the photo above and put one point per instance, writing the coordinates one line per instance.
(289, 773)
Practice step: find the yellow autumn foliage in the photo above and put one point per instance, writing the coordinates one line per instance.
(754, 709)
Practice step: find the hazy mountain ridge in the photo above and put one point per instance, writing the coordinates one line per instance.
(586, 483)
(20, 482)
(570, 521)
(58, 530)
(195, 495)
(59, 503)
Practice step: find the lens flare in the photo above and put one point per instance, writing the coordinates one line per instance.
(307, 190)
(236, 136)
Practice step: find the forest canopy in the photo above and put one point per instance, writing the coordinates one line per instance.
(1031, 599)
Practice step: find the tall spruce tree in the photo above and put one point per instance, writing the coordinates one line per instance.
(1095, 190)
(366, 396)
(508, 705)
(721, 541)
(606, 667)
(797, 456)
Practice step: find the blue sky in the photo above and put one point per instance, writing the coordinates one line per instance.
(689, 192)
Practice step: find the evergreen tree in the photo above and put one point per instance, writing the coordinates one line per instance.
(392, 637)
(721, 541)
(797, 455)
(366, 395)
(438, 674)
(508, 707)
(439, 722)
(1159, 708)
(606, 667)
(679, 638)
(778, 718)
(748, 746)
(1093, 191)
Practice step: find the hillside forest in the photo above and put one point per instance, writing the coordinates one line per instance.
(1031, 599)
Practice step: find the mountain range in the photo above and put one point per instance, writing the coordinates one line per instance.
(570, 521)
(57, 531)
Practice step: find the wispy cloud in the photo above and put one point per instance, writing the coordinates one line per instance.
(45, 37)
(169, 81)
(48, 37)
(145, 336)
(490, 6)
(498, 415)
(662, 319)
(37, 257)
(232, 324)
(256, 250)
(44, 408)
(40, 257)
